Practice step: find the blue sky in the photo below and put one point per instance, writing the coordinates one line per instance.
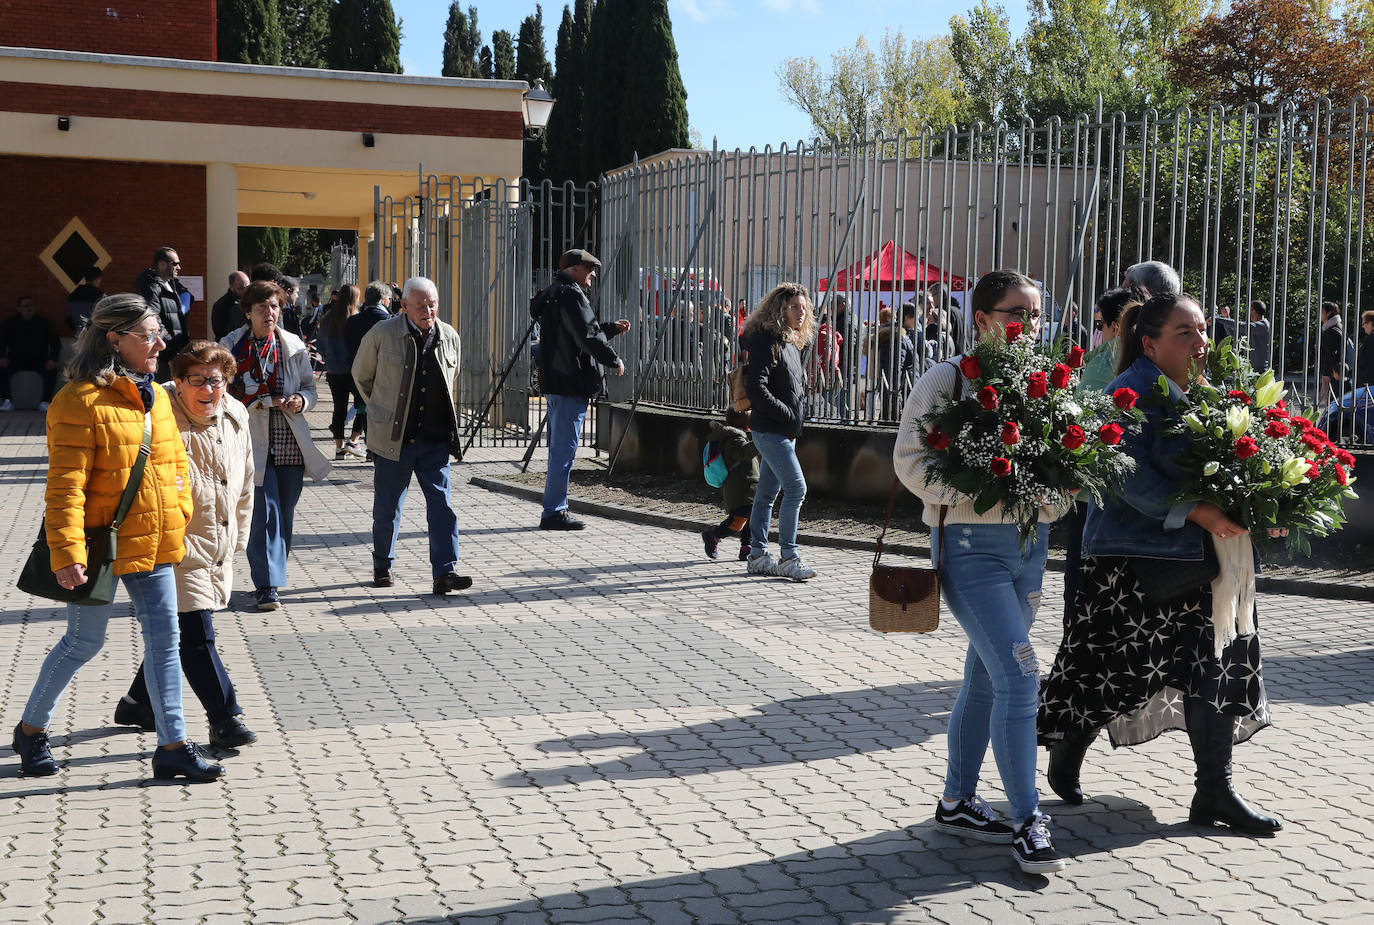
(728, 50)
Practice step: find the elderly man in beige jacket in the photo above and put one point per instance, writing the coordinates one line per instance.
(407, 372)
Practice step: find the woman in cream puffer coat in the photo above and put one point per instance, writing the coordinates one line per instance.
(220, 454)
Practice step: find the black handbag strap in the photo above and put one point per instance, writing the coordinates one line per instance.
(891, 501)
(145, 449)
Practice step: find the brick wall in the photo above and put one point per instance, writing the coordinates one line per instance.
(132, 209)
(155, 28)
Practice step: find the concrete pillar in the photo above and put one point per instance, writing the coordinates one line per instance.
(221, 231)
(364, 252)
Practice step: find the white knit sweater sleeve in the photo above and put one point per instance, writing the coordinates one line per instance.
(932, 389)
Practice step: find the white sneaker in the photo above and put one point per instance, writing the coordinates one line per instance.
(763, 565)
(42, 406)
(7, 406)
(793, 568)
(352, 449)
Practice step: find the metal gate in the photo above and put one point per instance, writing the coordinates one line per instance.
(488, 248)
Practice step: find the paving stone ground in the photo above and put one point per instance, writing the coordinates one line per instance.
(610, 728)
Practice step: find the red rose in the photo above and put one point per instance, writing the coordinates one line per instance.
(1073, 437)
(1011, 434)
(1239, 396)
(1110, 434)
(1312, 470)
(1125, 398)
(1013, 330)
(1301, 421)
(1246, 447)
(1000, 467)
(1312, 443)
(1037, 386)
(1060, 376)
(1340, 475)
(1276, 413)
(970, 368)
(987, 397)
(1075, 357)
(937, 439)
(1277, 428)
(1344, 458)
(1318, 433)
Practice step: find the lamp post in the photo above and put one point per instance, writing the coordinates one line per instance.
(538, 106)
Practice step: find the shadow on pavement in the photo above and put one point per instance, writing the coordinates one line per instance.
(1332, 678)
(791, 731)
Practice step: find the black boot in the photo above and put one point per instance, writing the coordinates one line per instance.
(1066, 763)
(188, 761)
(1212, 735)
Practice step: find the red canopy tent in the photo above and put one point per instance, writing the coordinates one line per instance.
(880, 271)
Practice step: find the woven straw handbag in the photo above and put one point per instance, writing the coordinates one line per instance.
(904, 598)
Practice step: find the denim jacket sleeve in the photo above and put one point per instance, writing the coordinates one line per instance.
(1150, 487)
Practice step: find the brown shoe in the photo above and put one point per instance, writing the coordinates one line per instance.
(381, 578)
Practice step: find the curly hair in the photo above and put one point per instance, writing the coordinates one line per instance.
(203, 353)
(769, 315)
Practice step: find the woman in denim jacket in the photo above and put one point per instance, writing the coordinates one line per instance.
(991, 584)
(1140, 666)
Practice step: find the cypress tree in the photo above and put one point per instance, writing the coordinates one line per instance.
(460, 42)
(364, 36)
(503, 55)
(531, 64)
(653, 85)
(486, 68)
(605, 84)
(248, 32)
(305, 32)
(567, 158)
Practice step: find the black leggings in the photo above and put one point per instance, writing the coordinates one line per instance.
(341, 388)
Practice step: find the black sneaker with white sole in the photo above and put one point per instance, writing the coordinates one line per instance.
(973, 818)
(1033, 850)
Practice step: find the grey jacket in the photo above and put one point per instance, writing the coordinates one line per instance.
(384, 372)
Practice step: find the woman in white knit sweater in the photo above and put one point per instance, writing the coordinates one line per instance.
(991, 585)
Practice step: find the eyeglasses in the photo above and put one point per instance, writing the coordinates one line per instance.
(1098, 324)
(148, 339)
(214, 382)
(1021, 314)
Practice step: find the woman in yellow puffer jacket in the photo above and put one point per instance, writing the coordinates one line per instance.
(95, 428)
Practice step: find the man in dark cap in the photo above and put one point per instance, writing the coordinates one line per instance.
(571, 344)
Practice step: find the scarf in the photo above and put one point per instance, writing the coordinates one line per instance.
(256, 368)
(194, 417)
(1233, 591)
(144, 381)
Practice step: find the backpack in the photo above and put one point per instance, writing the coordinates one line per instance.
(713, 466)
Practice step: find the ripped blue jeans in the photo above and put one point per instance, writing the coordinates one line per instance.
(992, 587)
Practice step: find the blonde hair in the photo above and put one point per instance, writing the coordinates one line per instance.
(770, 315)
(95, 360)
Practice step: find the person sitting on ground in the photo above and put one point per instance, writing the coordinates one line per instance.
(28, 343)
(220, 455)
(741, 457)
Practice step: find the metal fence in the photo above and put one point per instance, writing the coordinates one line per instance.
(1249, 205)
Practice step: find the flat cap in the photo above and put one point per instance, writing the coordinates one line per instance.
(578, 256)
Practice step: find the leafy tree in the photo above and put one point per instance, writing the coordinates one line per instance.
(364, 36)
(461, 39)
(902, 86)
(262, 245)
(1262, 51)
(486, 66)
(503, 55)
(605, 87)
(248, 32)
(567, 159)
(992, 65)
(531, 64)
(305, 32)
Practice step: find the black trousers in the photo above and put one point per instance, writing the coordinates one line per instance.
(201, 664)
(341, 389)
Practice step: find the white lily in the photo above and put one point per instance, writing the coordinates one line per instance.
(1238, 420)
(1211, 468)
(1269, 390)
(1294, 471)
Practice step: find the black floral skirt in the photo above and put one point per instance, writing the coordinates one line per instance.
(1127, 663)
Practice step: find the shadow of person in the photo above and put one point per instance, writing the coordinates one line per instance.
(1325, 679)
(795, 730)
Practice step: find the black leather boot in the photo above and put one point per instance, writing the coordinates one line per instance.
(1212, 735)
(188, 761)
(1066, 764)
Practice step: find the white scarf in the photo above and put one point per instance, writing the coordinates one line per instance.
(1233, 591)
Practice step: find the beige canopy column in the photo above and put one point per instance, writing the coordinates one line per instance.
(221, 230)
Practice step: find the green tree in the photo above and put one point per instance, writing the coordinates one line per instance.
(902, 86)
(992, 65)
(461, 39)
(262, 245)
(567, 160)
(305, 32)
(502, 55)
(364, 36)
(248, 32)
(531, 64)
(486, 67)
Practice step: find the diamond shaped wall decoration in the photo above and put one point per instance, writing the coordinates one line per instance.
(71, 252)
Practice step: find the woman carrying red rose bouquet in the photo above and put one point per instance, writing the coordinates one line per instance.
(962, 448)
(1140, 654)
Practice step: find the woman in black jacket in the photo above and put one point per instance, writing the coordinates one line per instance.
(772, 338)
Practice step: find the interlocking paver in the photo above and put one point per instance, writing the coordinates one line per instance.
(609, 728)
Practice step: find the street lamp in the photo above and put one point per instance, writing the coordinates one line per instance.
(538, 105)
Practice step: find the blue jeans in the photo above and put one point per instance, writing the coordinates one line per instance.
(993, 589)
(274, 519)
(565, 416)
(428, 462)
(779, 470)
(154, 596)
(201, 664)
